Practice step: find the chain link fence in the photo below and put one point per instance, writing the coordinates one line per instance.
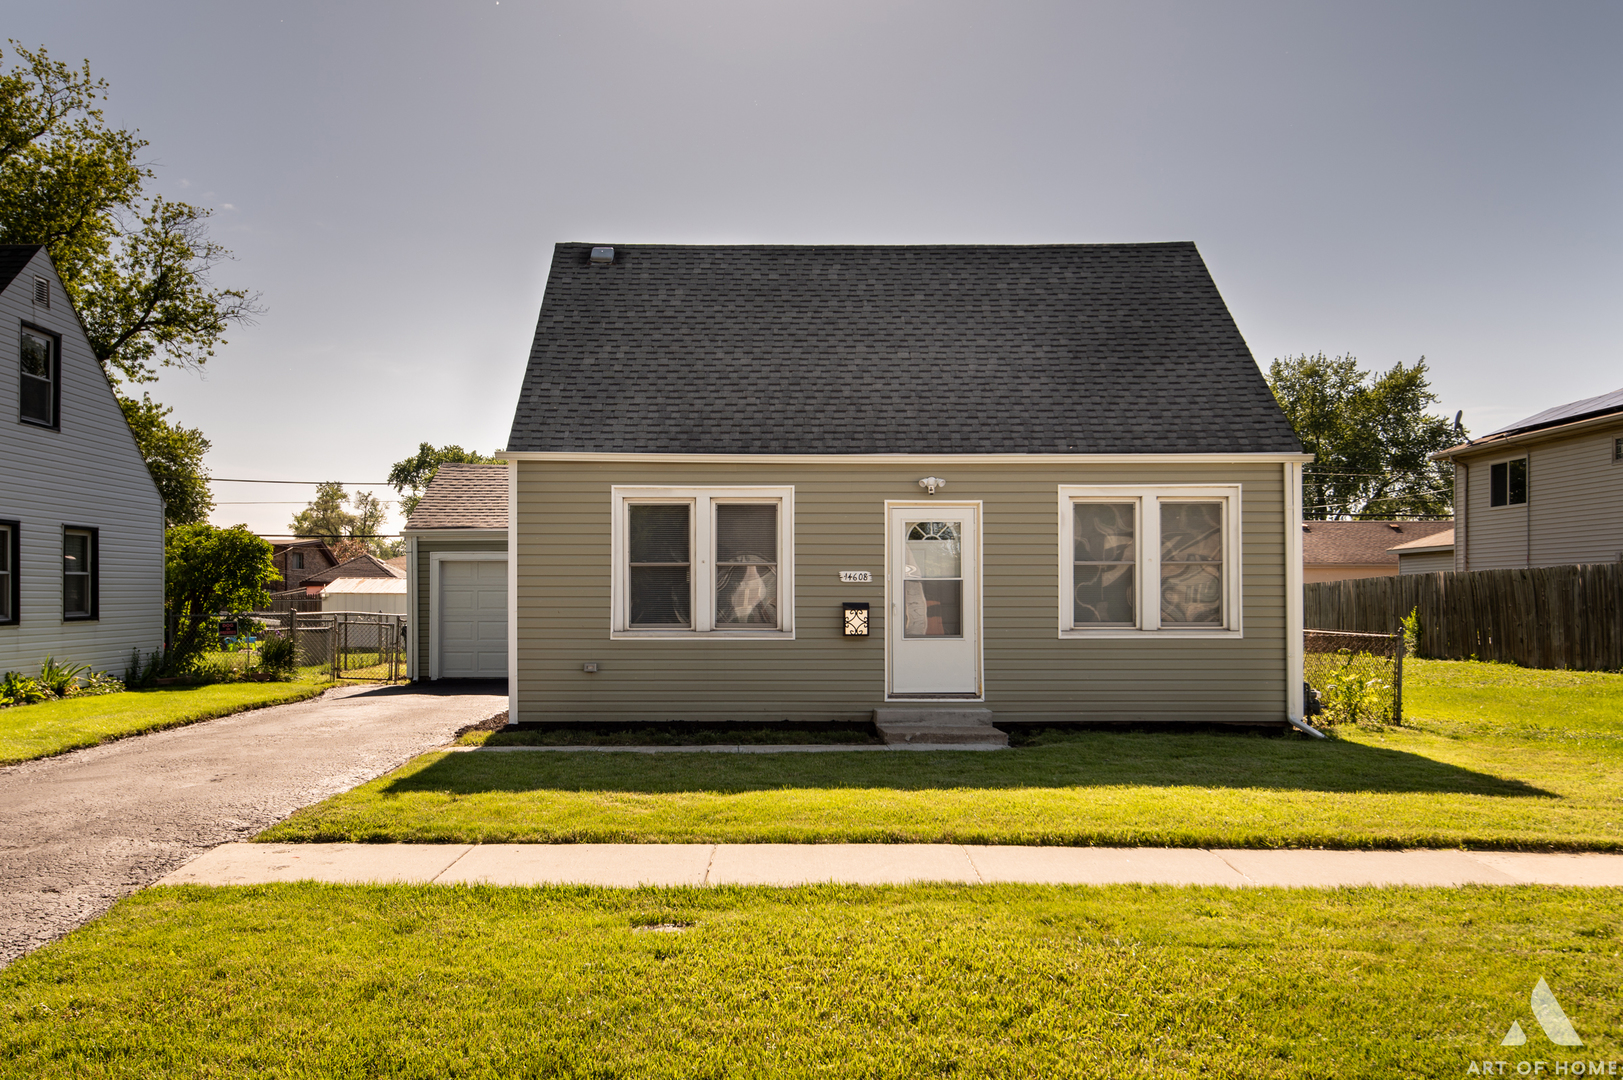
(344, 645)
(1353, 678)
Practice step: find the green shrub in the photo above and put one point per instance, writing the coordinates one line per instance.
(1411, 633)
(278, 656)
(141, 673)
(62, 680)
(101, 683)
(19, 689)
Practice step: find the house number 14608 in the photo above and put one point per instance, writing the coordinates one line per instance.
(856, 576)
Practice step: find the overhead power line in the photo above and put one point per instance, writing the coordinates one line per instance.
(341, 483)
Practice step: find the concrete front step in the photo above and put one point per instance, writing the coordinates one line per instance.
(938, 725)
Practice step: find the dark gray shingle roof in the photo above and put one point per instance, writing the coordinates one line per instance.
(13, 257)
(463, 497)
(1085, 348)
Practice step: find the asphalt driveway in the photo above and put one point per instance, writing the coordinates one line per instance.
(79, 831)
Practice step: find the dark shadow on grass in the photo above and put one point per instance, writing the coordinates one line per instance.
(438, 688)
(1091, 759)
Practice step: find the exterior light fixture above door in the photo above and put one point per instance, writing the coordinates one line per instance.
(931, 483)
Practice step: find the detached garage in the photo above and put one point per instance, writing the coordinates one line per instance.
(456, 574)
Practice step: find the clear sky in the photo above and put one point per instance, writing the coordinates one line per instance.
(1390, 180)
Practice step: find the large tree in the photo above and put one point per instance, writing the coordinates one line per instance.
(138, 268)
(174, 456)
(1371, 437)
(416, 471)
(208, 570)
(349, 532)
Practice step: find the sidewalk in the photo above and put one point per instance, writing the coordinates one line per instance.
(875, 864)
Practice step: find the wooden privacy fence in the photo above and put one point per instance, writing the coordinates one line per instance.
(1541, 617)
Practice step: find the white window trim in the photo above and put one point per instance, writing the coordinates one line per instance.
(704, 597)
(1527, 480)
(1147, 566)
(436, 606)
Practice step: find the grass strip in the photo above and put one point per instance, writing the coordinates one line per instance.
(1127, 981)
(55, 727)
(1517, 760)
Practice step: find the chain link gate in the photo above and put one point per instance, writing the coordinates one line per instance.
(350, 645)
(1358, 677)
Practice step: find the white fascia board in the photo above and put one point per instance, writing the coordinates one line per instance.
(915, 459)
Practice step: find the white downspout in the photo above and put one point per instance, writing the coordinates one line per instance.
(512, 590)
(413, 630)
(1294, 701)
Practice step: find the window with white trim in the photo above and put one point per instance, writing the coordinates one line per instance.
(1137, 560)
(690, 561)
(1507, 482)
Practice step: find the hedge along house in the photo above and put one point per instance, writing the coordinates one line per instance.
(768, 483)
(456, 575)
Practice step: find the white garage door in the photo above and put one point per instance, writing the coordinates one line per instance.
(473, 620)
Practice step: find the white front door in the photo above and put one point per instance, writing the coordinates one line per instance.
(472, 638)
(933, 592)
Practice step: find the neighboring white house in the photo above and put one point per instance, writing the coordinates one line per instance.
(81, 522)
(385, 596)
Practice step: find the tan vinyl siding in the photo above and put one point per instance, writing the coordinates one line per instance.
(563, 598)
(1425, 562)
(88, 473)
(1575, 497)
(427, 545)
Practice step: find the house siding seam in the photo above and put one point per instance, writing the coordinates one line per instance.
(88, 473)
(561, 553)
(1575, 496)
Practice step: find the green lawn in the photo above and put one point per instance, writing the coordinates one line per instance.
(972, 981)
(55, 727)
(1504, 758)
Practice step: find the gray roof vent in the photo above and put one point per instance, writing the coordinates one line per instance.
(602, 256)
(42, 292)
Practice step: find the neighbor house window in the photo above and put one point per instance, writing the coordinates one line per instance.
(1507, 482)
(79, 572)
(702, 560)
(40, 377)
(10, 549)
(1142, 559)
(295, 560)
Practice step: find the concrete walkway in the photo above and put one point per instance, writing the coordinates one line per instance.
(874, 864)
(80, 830)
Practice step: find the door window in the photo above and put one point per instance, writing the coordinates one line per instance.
(933, 580)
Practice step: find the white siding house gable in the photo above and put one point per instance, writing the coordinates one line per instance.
(84, 472)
